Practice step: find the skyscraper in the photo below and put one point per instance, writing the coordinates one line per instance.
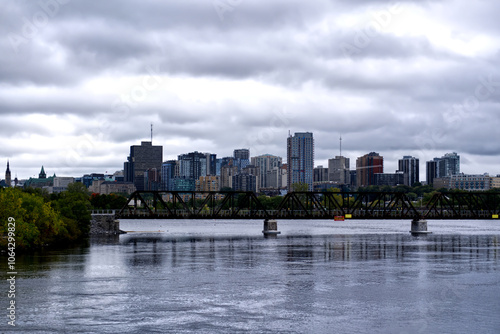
(320, 174)
(266, 163)
(193, 165)
(447, 165)
(152, 179)
(211, 164)
(241, 158)
(168, 175)
(226, 176)
(431, 169)
(338, 170)
(242, 153)
(143, 157)
(366, 167)
(300, 159)
(245, 182)
(411, 169)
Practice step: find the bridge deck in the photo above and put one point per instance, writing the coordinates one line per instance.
(307, 205)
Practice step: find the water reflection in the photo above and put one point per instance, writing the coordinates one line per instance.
(104, 240)
(142, 282)
(155, 249)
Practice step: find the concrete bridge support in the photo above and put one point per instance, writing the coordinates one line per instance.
(419, 226)
(104, 224)
(270, 228)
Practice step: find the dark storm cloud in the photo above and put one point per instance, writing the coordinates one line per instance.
(240, 64)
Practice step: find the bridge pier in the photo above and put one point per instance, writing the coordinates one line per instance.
(104, 224)
(419, 226)
(270, 228)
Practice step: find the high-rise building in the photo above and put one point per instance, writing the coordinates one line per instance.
(245, 182)
(193, 165)
(241, 158)
(152, 179)
(354, 178)
(233, 162)
(184, 184)
(366, 167)
(8, 180)
(267, 163)
(389, 179)
(242, 153)
(431, 169)
(211, 164)
(274, 178)
(284, 176)
(208, 183)
(143, 157)
(338, 170)
(226, 176)
(410, 166)
(168, 175)
(320, 174)
(300, 159)
(447, 165)
(249, 170)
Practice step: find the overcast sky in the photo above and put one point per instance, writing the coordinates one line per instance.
(81, 81)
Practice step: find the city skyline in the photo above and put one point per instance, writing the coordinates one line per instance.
(423, 174)
(402, 79)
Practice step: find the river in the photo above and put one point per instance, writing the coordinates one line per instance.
(225, 277)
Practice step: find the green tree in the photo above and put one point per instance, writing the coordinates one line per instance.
(78, 188)
(106, 202)
(75, 206)
(412, 196)
(36, 222)
(300, 186)
(270, 203)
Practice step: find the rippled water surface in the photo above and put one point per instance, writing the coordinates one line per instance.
(225, 277)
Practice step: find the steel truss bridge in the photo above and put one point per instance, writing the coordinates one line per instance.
(308, 205)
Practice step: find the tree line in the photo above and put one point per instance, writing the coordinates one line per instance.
(45, 220)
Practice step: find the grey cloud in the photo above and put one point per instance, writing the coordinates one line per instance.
(394, 95)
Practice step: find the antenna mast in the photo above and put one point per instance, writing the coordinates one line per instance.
(341, 145)
(151, 133)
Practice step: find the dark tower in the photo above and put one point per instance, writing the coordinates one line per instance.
(142, 158)
(8, 179)
(42, 174)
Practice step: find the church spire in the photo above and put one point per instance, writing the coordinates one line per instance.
(8, 179)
